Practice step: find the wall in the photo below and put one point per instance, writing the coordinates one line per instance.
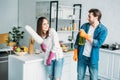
(27, 17)
(110, 16)
(109, 9)
(8, 15)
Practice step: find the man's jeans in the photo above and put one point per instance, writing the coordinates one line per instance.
(82, 66)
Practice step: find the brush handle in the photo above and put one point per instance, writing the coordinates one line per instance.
(34, 35)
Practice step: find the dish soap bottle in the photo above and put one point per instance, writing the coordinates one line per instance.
(74, 26)
(31, 46)
(81, 41)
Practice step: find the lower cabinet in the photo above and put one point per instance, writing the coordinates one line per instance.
(32, 68)
(109, 65)
(19, 70)
(104, 64)
(24, 68)
(69, 68)
(73, 70)
(34, 71)
(116, 67)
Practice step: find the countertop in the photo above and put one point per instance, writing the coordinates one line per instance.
(29, 58)
(111, 51)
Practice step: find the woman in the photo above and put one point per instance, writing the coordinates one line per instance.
(53, 51)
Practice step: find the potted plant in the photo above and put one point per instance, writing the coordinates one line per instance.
(15, 35)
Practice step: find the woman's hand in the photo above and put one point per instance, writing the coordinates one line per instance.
(49, 60)
(43, 47)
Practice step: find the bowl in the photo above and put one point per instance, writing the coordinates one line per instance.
(65, 48)
(20, 53)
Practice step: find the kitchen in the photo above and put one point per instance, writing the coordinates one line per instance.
(15, 13)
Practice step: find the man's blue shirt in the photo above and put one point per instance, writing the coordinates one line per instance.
(99, 37)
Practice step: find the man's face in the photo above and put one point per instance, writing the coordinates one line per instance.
(92, 18)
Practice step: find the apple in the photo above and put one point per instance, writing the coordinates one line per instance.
(14, 48)
(24, 48)
(18, 49)
(60, 44)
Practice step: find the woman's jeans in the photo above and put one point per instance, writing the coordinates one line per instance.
(82, 66)
(55, 69)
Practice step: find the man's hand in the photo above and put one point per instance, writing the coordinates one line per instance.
(75, 56)
(84, 34)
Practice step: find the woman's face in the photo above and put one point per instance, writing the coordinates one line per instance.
(45, 25)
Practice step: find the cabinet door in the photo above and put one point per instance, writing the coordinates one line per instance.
(63, 17)
(105, 64)
(34, 71)
(116, 67)
(15, 68)
(73, 69)
(4, 70)
(69, 68)
(69, 18)
(66, 68)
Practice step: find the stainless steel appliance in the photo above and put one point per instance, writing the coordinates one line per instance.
(4, 65)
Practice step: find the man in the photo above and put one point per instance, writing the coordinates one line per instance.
(94, 33)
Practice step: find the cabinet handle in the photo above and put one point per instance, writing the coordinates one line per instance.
(3, 61)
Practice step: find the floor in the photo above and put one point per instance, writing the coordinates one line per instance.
(87, 78)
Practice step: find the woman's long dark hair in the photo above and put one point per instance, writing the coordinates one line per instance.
(39, 27)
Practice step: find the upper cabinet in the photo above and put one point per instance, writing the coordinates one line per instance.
(65, 18)
(61, 17)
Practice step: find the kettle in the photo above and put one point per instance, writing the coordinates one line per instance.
(114, 46)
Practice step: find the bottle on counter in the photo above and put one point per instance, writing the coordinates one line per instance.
(81, 41)
(31, 46)
(74, 26)
(68, 28)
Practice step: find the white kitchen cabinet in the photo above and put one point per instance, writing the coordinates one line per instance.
(66, 19)
(73, 70)
(105, 64)
(31, 67)
(64, 16)
(69, 68)
(34, 71)
(116, 67)
(66, 68)
(109, 64)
